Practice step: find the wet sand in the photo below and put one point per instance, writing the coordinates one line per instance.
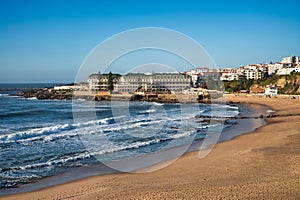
(261, 165)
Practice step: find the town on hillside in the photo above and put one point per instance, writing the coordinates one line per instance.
(254, 78)
(194, 85)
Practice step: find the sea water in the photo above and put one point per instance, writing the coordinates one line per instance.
(40, 138)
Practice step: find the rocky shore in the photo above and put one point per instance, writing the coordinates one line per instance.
(42, 94)
(50, 93)
(261, 165)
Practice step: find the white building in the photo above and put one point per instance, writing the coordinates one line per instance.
(71, 87)
(290, 60)
(229, 76)
(274, 68)
(287, 70)
(99, 82)
(153, 82)
(202, 74)
(240, 71)
(271, 90)
(252, 72)
(194, 76)
(228, 70)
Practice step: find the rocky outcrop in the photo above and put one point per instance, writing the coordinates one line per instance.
(281, 82)
(225, 118)
(42, 94)
(257, 89)
(289, 84)
(27, 94)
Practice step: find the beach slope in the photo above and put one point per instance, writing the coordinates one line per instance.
(261, 165)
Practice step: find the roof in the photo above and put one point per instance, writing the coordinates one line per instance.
(155, 74)
(103, 75)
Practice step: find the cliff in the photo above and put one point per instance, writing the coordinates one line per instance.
(287, 84)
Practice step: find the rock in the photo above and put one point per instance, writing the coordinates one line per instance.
(43, 95)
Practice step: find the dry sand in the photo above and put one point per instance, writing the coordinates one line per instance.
(261, 165)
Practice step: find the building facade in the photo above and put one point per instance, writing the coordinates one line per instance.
(132, 82)
(229, 74)
(100, 82)
(201, 75)
(229, 77)
(290, 60)
(274, 67)
(253, 72)
(288, 71)
(271, 90)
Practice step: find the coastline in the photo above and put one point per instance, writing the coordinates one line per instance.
(162, 183)
(246, 122)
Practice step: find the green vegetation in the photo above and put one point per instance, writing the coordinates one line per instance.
(268, 81)
(238, 85)
(291, 84)
(110, 82)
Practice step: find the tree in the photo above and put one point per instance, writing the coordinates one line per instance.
(110, 82)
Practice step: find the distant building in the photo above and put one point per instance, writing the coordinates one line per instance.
(287, 66)
(264, 70)
(229, 74)
(194, 76)
(290, 60)
(71, 87)
(274, 68)
(201, 75)
(240, 71)
(229, 77)
(206, 73)
(271, 90)
(228, 70)
(288, 71)
(253, 72)
(99, 82)
(132, 82)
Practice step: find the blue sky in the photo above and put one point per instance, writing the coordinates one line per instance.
(46, 41)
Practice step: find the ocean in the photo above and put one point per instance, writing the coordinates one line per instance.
(43, 138)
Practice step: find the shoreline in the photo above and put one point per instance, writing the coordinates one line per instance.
(240, 128)
(263, 164)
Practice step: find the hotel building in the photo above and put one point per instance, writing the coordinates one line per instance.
(131, 82)
(99, 82)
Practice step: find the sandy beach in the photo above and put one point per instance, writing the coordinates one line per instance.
(261, 165)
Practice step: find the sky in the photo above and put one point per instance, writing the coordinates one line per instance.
(47, 41)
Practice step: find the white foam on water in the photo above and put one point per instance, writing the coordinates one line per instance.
(158, 104)
(148, 111)
(32, 98)
(38, 133)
